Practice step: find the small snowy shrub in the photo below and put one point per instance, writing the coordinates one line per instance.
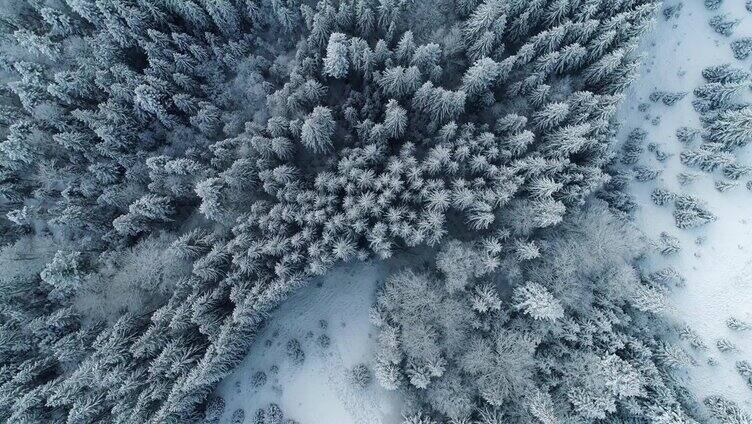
(214, 410)
(726, 411)
(259, 417)
(725, 345)
(672, 12)
(713, 4)
(686, 135)
(744, 368)
(742, 48)
(666, 97)
(723, 185)
(690, 212)
(724, 74)
(633, 146)
(668, 244)
(672, 356)
(723, 25)
(273, 414)
(708, 158)
(324, 341)
(238, 416)
(667, 277)
(734, 171)
(661, 155)
(360, 376)
(644, 173)
(690, 335)
(737, 324)
(295, 351)
(686, 178)
(258, 379)
(660, 196)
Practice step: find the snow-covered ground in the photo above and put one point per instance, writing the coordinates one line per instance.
(319, 390)
(718, 266)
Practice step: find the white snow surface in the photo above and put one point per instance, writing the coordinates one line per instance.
(718, 270)
(319, 389)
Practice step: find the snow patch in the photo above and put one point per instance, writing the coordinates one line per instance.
(319, 390)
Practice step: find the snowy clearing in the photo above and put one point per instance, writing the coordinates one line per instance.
(319, 390)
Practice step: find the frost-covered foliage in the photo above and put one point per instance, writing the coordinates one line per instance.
(723, 25)
(727, 125)
(264, 141)
(726, 411)
(272, 414)
(360, 376)
(578, 341)
(742, 47)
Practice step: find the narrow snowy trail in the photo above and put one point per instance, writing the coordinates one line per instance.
(716, 259)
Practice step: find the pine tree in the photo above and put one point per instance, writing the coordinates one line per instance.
(732, 128)
(534, 300)
(336, 62)
(480, 77)
(317, 130)
(64, 275)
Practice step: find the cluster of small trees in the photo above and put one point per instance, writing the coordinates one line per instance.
(579, 340)
(727, 125)
(273, 140)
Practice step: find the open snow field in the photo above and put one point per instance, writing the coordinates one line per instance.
(716, 259)
(319, 390)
